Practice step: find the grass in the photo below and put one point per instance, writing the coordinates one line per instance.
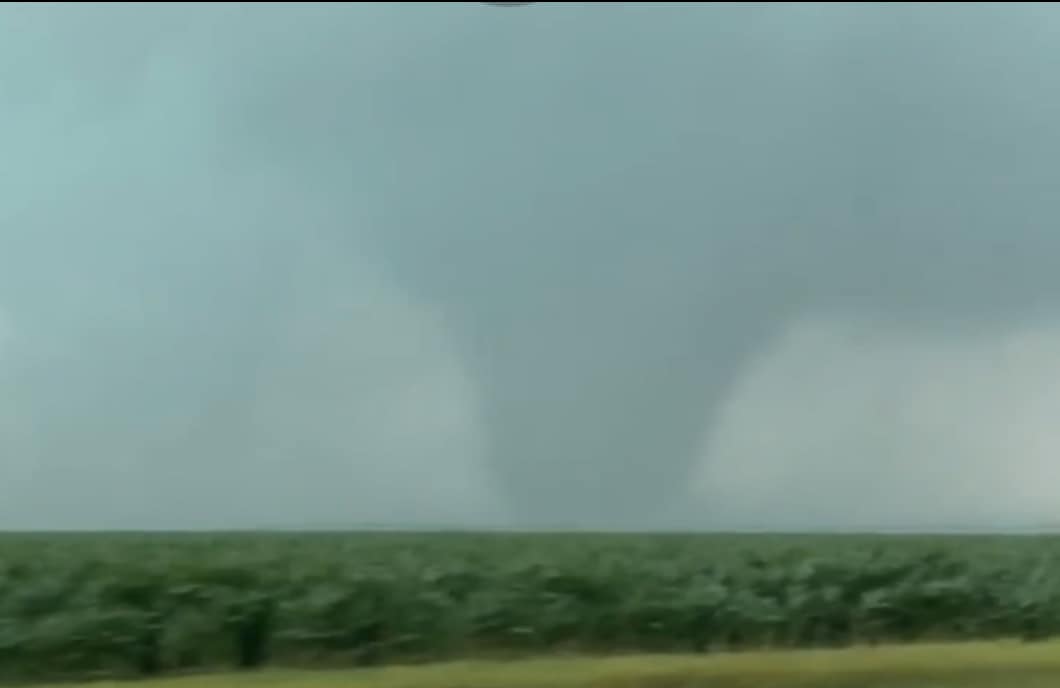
(954, 665)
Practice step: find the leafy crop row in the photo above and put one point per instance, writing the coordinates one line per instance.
(122, 604)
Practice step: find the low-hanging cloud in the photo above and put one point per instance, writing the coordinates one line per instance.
(335, 264)
(854, 425)
(191, 350)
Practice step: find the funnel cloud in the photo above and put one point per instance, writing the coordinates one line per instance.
(562, 265)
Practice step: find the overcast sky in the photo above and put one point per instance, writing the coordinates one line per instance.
(449, 264)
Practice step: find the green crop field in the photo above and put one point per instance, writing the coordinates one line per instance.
(122, 605)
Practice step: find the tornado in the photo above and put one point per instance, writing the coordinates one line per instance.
(613, 209)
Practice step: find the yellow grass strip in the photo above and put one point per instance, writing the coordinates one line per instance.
(958, 665)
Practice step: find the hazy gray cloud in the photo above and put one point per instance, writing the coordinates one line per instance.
(856, 426)
(145, 269)
(292, 264)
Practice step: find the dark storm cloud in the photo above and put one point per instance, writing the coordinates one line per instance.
(607, 215)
